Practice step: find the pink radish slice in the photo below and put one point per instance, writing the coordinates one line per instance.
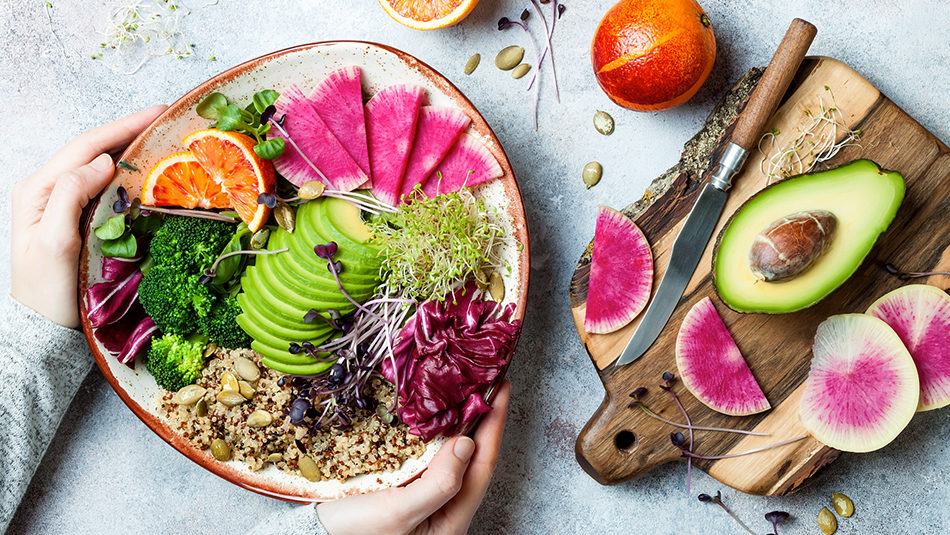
(621, 273)
(468, 164)
(439, 128)
(862, 389)
(391, 118)
(711, 366)
(920, 315)
(339, 102)
(311, 151)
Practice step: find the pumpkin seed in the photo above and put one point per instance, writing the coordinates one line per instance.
(827, 521)
(275, 458)
(201, 408)
(210, 350)
(285, 216)
(230, 398)
(603, 123)
(259, 239)
(259, 419)
(496, 287)
(220, 449)
(509, 57)
(472, 63)
(592, 173)
(482, 278)
(843, 505)
(189, 395)
(308, 468)
(520, 71)
(246, 389)
(230, 382)
(311, 190)
(246, 369)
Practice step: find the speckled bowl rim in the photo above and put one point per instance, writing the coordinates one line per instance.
(186, 103)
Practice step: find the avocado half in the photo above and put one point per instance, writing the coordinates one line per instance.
(862, 196)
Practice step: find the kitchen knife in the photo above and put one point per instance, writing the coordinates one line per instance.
(698, 228)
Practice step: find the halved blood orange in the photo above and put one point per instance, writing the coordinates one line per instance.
(428, 14)
(179, 180)
(230, 160)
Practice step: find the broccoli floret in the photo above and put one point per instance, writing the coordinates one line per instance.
(220, 325)
(175, 300)
(189, 243)
(174, 361)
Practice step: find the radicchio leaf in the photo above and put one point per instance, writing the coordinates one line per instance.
(140, 336)
(109, 301)
(446, 357)
(114, 268)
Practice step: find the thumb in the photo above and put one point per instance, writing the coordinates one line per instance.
(441, 481)
(73, 190)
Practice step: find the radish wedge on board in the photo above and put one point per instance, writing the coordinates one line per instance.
(862, 388)
(920, 315)
(311, 150)
(621, 273)
(711, 366)
(468, 164)
(391, 118)
(439, 128)
(339, 102)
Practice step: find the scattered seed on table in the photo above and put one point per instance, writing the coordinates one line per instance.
(520, 71)
(843, 505)
(592, 173)
(509, 57)
(472, 63)
(603, 123)
(827, 522)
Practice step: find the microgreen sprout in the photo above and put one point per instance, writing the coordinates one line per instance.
(815, 144)
(49, 19)
(776, 518)
(668, 387)
(690, 455)
(201, 214)
(637, 403)
(717, 499)
(208, 275)
(122, 202)
(431, 244)
(503, 24)
(127, 166)
(907, 275)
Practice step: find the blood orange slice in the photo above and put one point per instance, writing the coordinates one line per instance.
(179, 180)
(428, 14)
(229, 159)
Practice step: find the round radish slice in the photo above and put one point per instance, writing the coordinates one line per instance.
(862, 388)
(621, 273)
(920, 315)
(711, 366)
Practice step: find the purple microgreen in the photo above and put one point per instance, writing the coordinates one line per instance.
(267, 199)
(717, 499)
(668, 387)
(326, 250)
(639, 391)
(200, 214)
(776, 518)
(208, 274)
(677, 439)
(122, 202)
(279, 124)
(335, 267)
(505, 23)
(560, 10)
(907, 275)
(548, 48)
(294, 349)
(268, 113)
(691, 455)
(646, 410)
(311, 315)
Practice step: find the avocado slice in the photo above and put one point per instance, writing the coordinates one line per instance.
(302, 258)
(863, 197)
(273, 358)
(336, 220)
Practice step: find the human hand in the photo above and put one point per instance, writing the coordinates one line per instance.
(442, 501)
(45, 242)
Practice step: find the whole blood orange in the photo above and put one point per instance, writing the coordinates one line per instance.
(653, 54)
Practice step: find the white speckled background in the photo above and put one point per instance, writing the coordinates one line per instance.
(107, 473)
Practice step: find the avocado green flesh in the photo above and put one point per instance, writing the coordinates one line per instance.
(279, 290)
(863, 198)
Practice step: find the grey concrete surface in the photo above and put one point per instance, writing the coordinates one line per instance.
(107, 473)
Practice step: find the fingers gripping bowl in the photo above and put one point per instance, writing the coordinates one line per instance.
(304, 66)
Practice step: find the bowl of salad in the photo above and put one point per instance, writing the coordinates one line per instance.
(309, 271)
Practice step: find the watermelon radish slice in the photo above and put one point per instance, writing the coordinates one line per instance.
(920, 315)
(439, 128)
(621, 273)
(862, 389)
(468, 164)
(391, 118)
(712, 367)
(339, 102)
(312, 151)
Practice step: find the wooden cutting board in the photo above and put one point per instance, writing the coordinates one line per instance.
(620, 442)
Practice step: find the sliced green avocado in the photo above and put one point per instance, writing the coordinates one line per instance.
(272, 358)
(260, 278)
(283, 331)
(302, 259)
(336, 220)
(863, 198)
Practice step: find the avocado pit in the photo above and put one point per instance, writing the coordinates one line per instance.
(791, 244)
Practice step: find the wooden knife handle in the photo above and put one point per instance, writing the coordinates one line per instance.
(776, 79)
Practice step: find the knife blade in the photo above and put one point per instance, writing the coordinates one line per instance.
(702, 220)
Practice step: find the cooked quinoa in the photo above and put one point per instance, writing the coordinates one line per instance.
(368, 445)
